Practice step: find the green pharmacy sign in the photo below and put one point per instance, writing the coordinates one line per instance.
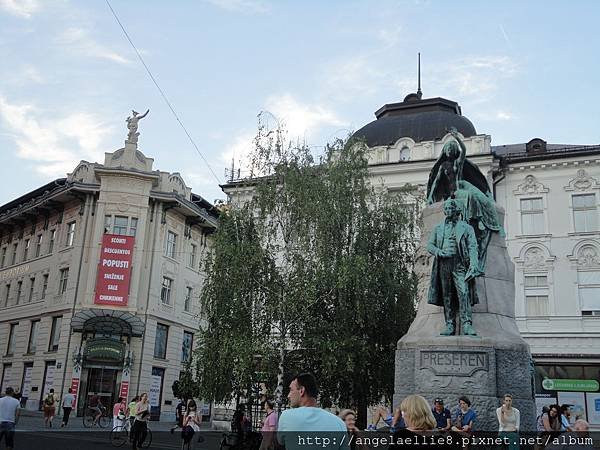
(552, 384)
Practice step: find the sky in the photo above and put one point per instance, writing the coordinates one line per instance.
(69, 78)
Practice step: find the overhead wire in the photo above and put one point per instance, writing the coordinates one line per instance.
(162, 93)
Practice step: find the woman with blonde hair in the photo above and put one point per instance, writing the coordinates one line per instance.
(420, 425)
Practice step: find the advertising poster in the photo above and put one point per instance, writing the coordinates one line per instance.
(26, 389)
(49, 384)
(6, 377)
(154, 393)
(593, 408)
(577, 402)
(114, 270)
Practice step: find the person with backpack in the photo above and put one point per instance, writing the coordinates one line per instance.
(49, 408)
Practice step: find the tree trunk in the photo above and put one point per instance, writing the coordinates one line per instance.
(280, 374)
(361, 419)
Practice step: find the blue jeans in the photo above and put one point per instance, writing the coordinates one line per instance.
(7, 430)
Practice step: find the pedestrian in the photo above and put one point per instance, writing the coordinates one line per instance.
(132, 409)
(140, 425)
(420, 426)
(465, 418)
(9, 415)
(67, 404)
(119, 409)
(191, 422)
(269, 427)
(442, 415)
(179, 415)
(49, 408)
(305, 418)
(509, 422)
(565, 418)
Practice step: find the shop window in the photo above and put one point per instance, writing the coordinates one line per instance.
(186, 346)
(160, 341)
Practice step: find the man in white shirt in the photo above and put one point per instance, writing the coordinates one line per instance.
(67, 406)
(9, 412)
(305, 426)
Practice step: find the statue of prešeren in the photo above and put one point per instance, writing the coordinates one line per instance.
(454, 245)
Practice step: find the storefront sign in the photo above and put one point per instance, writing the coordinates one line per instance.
(114, 270)
(106, 350)
(553, 384)
(75, 390)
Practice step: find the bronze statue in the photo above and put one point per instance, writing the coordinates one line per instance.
(454, 176)
(454, 246)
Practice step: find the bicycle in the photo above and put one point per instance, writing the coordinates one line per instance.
(89, 418)
(121, 434)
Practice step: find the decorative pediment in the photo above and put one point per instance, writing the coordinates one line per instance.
(535, 257)
(530, 186)
(80, 173)
(582, 182)
(177, 183)
(586, 255)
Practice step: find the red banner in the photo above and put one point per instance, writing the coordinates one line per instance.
(75, 390)
(124, 389)
(114, 270)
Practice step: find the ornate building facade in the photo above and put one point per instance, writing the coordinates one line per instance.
(100, 274)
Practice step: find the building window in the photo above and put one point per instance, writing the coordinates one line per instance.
(7, 294)
(3, 257)
(63, 280)
(51, 241)
(70, 234)
(589, 292)
(536, 305)
(31, 287)
(188, 299)
(536, 295)
(532, 216)
(186, 346)
(165, 291)
(585, 213)
(120, 225)
(19, 291)
(171, 244)
(26, 249)
(14, 254)
(44, 286)
(33, 333)
(193, 253)
(10, 348)
(160, 341)
(55, 334)
(38, 245)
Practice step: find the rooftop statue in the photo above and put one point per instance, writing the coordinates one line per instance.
(132, 126)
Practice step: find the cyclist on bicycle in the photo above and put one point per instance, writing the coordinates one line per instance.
(96, 406)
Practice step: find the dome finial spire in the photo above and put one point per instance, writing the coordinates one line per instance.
(419, 93)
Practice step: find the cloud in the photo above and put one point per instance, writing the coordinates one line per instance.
(503, 115)
(54, 145)
(30, 73)
(241, 6)
(390, 37)
(301, 120)
(20, 8)
(79, 41)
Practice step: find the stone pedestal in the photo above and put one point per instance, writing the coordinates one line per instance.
(482, 368)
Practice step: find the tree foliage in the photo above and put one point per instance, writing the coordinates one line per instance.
(312, 270)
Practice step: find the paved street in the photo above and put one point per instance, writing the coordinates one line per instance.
(31, 434)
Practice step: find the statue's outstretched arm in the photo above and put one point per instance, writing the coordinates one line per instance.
(145, 114)
(430, 199)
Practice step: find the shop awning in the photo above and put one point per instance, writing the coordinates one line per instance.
(108, 322)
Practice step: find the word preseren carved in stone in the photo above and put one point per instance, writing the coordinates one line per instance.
(454, 362)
